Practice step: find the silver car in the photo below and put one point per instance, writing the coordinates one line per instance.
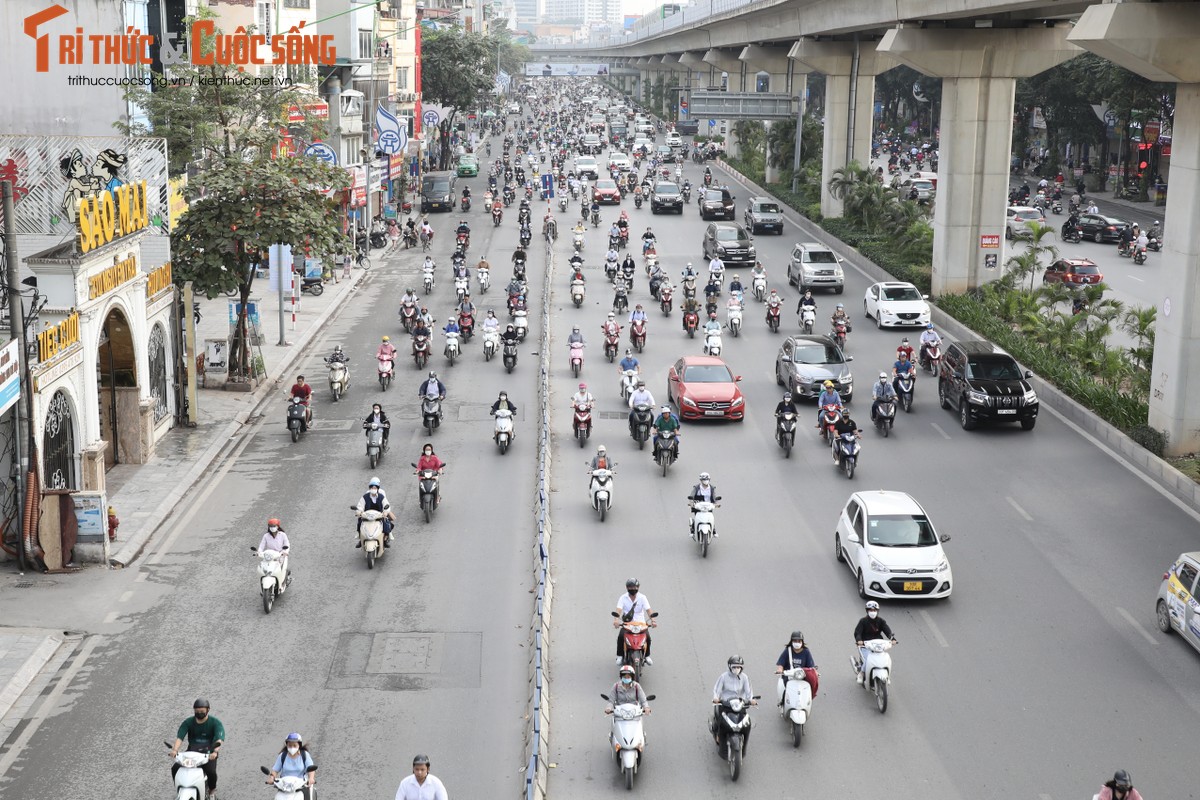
(1176, 609)
(804, 363)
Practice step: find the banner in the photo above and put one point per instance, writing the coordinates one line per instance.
(553, 70)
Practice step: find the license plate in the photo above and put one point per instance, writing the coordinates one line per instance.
(714, 413)
(912, 586)
(1006, 411)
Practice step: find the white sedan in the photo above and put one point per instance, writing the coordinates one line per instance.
(619, 161)
(893, 304)
(890, 545)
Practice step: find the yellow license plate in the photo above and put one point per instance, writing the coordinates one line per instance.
(912, 586)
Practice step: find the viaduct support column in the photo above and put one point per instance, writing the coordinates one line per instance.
(727, 61)
(979, 68)
(850, 69)
(1158, 41)
(775, 62)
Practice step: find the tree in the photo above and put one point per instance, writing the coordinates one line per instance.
(237, 211)
(457, 69)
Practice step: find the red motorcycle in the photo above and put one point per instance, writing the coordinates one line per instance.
(773, 318)
(636, 634)
(831, 415)
(690, 321)
(462, 241)
(637, 334)
(611, 341)
(581, 424)
(466, 324)
(408, 316)
(420, 351)
(840, 328)
(664, 300)
(931, 358)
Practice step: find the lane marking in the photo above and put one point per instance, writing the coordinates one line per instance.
(141, 576)
(50, 702)
(1137, 626)
(1020, 510)
(1135, 278)
(111, 617)
(125, 597)
(938, 428)
(933, 628)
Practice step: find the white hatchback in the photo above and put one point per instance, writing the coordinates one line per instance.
(891, 547)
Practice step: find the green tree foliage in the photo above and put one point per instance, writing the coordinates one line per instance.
(458, 68)
(894, 91)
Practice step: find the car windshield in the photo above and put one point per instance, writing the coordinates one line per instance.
(993, 368)
(441, 186)
(713, 195)
(820, 257)
(1083, 269)
(666, 188)
(767, 208)
(728, 234)
(818, 354)
(605, 183)
(900, 530)
(468, 160)
(707, 373)
(901, 293)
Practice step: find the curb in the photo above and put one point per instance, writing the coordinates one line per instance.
(134, 547)
(20, 680)
(1124, 449)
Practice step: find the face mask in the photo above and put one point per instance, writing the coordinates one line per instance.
(872, 614)
(293, 749)
(428, 452)
(273, 529)
(797, 646)
(736, 670)
(626, 681)
(633, 592)
(374, 491)
(201, 715)
(377, 410)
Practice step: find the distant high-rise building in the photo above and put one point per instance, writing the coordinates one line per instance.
(584, 12)
(528, 10)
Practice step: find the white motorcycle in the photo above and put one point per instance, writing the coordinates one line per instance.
(427, 279)
(629, 379)
(808, 319)
(461, 287)
(451, 351)
(577, 293)
(877, 671)
(504, 429)
(521, 323)
(339, 379)
(704, 524)
(759, 287)
(485, 279)
(491, 343)
(712, 343)
(577, 241)
(627, 738)
(601, 491)
(189, 778)
(374, 443)
(735, 319)
(273, 579)
(289, 788)
(797, 697)
(370, 534)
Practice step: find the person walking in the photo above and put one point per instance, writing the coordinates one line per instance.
(421, 785)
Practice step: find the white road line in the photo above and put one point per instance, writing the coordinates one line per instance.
(141, 576)
(48, 705)
(111, 617)
(1020, 510)
(933, 628)
(938, 428)
(1135, 278)
(1137, 626)
(125, 597)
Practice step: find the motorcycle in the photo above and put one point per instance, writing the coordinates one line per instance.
(931, 358)
(808, 319)
(577, 241)
(427, 279)
(521, 323)
(691, 320)
(485, 279)
(629, 379)
(370, 534)
(601, 491)
(462, 241)
(451, 349)
(581, 422)
(562, 203)
(491, 343)
(290, 788)
(664, 299)
(519, 269)
(734, 319)
(848, 448)
(465, 204)
(339, 379)
(503, 433)
(712, 343)
(877, 670)
(773, 318)
(651, 263)
(831, 415)
(904, 391)
(885, 416)
(509, 356)
(497, 216)
(689, 287)
(375, 442)
(577, 288)
(796, 693)
(526, 238)
(687, 194)
(838, 334)
(1125, 249)
(1139, 255)
(595, 219)
(643, 417)
(785, 432)
(461, 286)
(427, 488)
(635, 635)
(421, 351)
(385, 367)
(431, 413)
(637, 201)
(271, 576)
(611, 340)
(621, 296)
(1072, 234)
(1057, 207)
(297, 418)
(408, 315)
(576, 358)
(189, 778)
(759, 287)
(627, 738)
(732, 731)
(314, 286)
(466, 324)
(704, 523)
(666, 450)
(637, 334)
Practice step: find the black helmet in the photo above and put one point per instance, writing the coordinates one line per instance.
(797, 636)
(735, 661)
(200, 703)
(420, 759)
(633, 583)
(1121, 780)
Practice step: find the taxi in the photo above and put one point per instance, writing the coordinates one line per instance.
(468, 166)
(1177, 610)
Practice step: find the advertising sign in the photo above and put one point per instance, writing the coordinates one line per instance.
(561, 70)
(10, 375)
(989, 241)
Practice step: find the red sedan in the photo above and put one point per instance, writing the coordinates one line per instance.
(606, 191)
(702, 387)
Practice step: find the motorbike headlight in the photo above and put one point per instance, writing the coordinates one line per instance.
(687, 401)
(978, 398)
(1030, 397)
(875, 566)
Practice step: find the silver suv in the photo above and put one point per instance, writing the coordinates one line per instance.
(763, 214)
(815, 266)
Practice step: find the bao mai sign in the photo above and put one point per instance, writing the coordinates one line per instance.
(112, 214)
(58, 338)
(159, 280)
(111, 278)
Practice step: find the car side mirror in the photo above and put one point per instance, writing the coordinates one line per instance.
(785, 358)
(849, 358)
(945, 537)
(853, 539)
(1028, 374)
(737, 378)
(925, 297)
(840, 259)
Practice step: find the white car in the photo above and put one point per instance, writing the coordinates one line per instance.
(1019, 218)
(890, 545)
(586, 165)
(619, 161)
(894, 304)
(674, 139)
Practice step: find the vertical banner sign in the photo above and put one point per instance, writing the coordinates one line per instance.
(10, 375)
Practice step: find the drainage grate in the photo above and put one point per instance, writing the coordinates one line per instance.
(24, 585)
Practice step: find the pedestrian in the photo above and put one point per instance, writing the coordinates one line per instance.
(347, 262)
(421, 785)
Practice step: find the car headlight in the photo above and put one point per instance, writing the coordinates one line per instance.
(687, 401)
(875, 566)
(737, 401)
(978, 398)
(943, 567)
(838, 272)
(1030, 397)
(752, 251)
(720, 248)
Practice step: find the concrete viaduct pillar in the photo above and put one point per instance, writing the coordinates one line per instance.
(644, 79)
(1158, 41)
(847, 124)
(775, 62)
(979, 68)
(727, 61)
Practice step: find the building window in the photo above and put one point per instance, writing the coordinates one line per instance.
(402, 79)
(297, 3)
(402, 33)
(158, 371)
(366, 44)
(265, 21)
(58, 444)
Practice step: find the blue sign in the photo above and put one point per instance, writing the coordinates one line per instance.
(323, 152)
(548, 185)
(390, 135)
(431, 118)
(10, 390)
(712, 123)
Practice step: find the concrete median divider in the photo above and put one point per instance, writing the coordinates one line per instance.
(537, 717)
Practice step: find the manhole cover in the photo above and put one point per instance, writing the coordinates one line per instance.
(407, 661)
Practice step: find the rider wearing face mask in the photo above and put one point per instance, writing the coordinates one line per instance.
(276, 539)
(377, 416)
(1119, 788)
(293, 761)
(636, 607)
(375, 499)
(872, 626)
(794, 656)
(204, 734)
(627, 690)
(731, 683)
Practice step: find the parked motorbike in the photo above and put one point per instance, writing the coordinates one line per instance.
(785, 432)
(503, 433)
(272, 579)
(627, 738)
(885, 416)
(431, 414)
(666, 450)
(796, 693)
(601, 491)
(904, 391)
(635, 635)
(581, 422)
(732, 732)
(704, 523)
(297, 418)
(877, 671)
(339, 378)
(314, 286)
(848, 448)
(427, 488)
(189, 778)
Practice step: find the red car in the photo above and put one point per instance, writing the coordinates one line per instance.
(702, 387)
(606, 191)
(1073, 272)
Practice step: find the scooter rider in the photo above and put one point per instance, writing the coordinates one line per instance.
(636, 607)
(375, 499)
(584, 398)
(628, 266)
(510, 335)
(786, 406)
(902, 367)
(420, 329)
(637, 315)
(731, 684)
(451, 326)
(432, 387)
(429, 459)
(872, 626)
(806, 301)
(386, 350)
(502, 401)
(703, 492)
(337, 356)
(666, 422)
(795, 655)
(929, 337)
(378, 417)
(1119, 788)
(839, 315)
(575, 337)
(276, 539)
(304, 392)
(735, 285)
(294, 761)
(627, 691)
(905, 348)
(204, 734)
(601, 459)
(713, 325)
(881, 392)
(843, 425)
(639, 397)
(490, 322)
(628, 362)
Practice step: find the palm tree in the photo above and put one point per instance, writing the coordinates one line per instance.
(1022, 265)
(1138, 322)
(1037, 234)
(845, 179)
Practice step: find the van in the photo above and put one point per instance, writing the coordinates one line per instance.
(437, 192)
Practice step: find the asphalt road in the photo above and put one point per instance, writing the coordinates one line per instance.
(426, 653)
(1039, 677)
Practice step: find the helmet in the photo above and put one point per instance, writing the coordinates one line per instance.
(735, 661)
(704, 476)
(337, 348)
(601, 449)
(628, 352)
(200, 703)
(294, 737)
(633, 583)
(872, 605)
(904, 340)
(627, 670)
(432, 375)
(575, 328)
(840, 307)
(450, 318)
(373, 483)
(639, 306)
(808, 292)
(583, 387)
(787, 397)
(1121, 780)
(929, 326)
(273, 521)
(409, 290)
(712, 315)
(641, 384)
(420, 759)
(798, 635)
(386, 339)
(883, 376)
(828, 384)
(665, 410)
(612, 315)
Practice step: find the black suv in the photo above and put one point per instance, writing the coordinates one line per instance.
(715, 203)
(984, 383)
(729, 242)
(666, 197)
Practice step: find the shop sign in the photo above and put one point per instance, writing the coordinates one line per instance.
(111, 278)
(53, 341)
(112, 214)
(10, 375)
(159, 280)
(51, 373)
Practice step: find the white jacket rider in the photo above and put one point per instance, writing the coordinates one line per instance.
(490, 322)
(275, 538)
(583, 397)
(716, 267)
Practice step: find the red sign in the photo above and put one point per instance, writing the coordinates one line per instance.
(989, 241)
(1150, 131)
(310, 110)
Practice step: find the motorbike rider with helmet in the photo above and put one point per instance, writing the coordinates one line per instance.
(666, 422)
(902, 367)
(490, 322)
(294, 761)
(627, 691)
(386, 350)
(639, 397)
(204, 734)
(872, 626)
(929, 337)
(628, 363)
(839, 315)
(375, 499)
(806, 301)
(828, 396)
(502, 401)
(633, 607)
(881, 392)
(731, 684)
(795, 655)
(905, 348)
(1119, 788)
(432, 387)
(703, 492)
(843, 425)
(601, 459)
(786, 406)
(275, 538)
(379, 418)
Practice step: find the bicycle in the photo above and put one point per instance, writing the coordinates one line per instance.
(363, 261)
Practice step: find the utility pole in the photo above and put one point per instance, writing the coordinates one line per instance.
(16, 328)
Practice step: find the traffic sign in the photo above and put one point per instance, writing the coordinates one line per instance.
(323, 152)
(430, 118)
(712, 123)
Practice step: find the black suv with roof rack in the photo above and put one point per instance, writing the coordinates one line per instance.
(984, 383)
